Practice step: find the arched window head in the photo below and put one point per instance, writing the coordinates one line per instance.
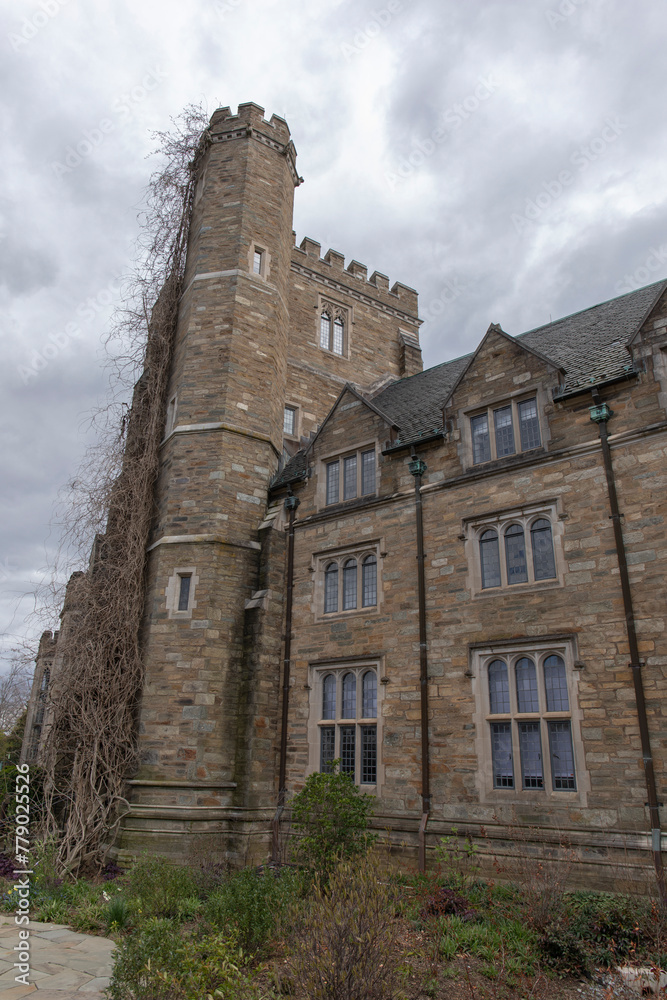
(329, 697)
(489, 557)
(349, 696)
(526, 686)
(499, 689)
(325, 330)
(331, 588)
(544, 564)
(350, 585)
(555, 684)
(369, 693)
(515, 554)
(369, 582)
(338, 336)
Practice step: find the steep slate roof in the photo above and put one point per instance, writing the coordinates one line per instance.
(591, 346)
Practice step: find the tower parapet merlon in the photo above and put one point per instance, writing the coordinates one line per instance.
(250, 114)
(308, 253)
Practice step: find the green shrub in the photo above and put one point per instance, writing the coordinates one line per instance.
(161, 962)
(345, 943)
(251, 903)
(117, 915)
(334, 817)
(158, 888)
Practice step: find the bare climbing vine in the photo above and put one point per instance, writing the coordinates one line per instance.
(89, 749)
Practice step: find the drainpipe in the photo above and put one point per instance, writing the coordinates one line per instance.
(291, 504)
(417, 468)
(600, 414)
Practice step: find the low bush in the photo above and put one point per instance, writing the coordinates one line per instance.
(155, 887)
(333, 817)
(344, 941)
(160, 961)
(250, 903)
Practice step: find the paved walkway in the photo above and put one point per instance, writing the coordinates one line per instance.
(63, 964)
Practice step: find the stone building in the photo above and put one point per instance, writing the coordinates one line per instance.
(423, 574)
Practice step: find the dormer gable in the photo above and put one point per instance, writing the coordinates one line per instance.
(498, 406)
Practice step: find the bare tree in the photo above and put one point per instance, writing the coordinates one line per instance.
(15, 686)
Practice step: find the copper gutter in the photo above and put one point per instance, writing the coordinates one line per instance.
(600, 413)
(291, 504)
(417, 468)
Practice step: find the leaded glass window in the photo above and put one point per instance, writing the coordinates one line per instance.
(367, 472)
(369, 695)
(532, 774)
(349, 696)
(555, 684)
(515, 555)
(501, 750)
(544, 564)
(481, 444)
(350, 584)
(529, 424)
(347, 749)
(502, 419)
(369, 588)
(338, 336)
(350, 477)
(489, 556)
(368, 755)
(499, 689)
(325, 330)
(329, 697)
(333, 481)
(562, 756)
(331, 588)
(526, 686)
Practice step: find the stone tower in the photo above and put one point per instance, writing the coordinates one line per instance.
(223, 442)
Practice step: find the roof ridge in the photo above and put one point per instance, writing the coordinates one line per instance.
(580, 312)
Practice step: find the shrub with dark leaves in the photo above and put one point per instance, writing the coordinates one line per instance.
(6, 867)
(447, 902)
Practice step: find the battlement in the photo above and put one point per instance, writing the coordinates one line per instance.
(355, 276)
(253, 115)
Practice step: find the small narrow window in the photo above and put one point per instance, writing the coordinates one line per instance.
(325, 330)
(184, 592)
(350, 477)
(350, 585)
(349, 696)
(369, 583)
(481, 444)
(369, 695)
(515, 553)
(502, 420)
(562, 756)
(531, 755)
(338, 336)
(368, 755)
(529, 425)
(499, 689)
(333, 482)
(289, 421)
(501, 749)
(257, 261)
(329, 697)
(489, 557)
(347, 749)
(526, 686)
(544, 564)
(327, 748)
(555, 684)
(367, 472)
(331, 588)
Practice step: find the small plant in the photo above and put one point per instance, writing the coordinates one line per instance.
(117, 915)
(345, 943)
(333, 816)
(250, 903)
(159, 887)
(160, 962)
(456, 860)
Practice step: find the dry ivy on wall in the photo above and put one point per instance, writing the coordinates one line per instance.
(89, 749)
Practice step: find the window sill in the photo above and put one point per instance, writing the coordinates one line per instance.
(518, 588)
(508, 461)
(335, 616)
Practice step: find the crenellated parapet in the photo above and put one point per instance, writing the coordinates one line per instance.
(400, 299)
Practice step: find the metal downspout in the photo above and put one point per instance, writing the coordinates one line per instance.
(417, 468)
(600, 413)
(291, 504)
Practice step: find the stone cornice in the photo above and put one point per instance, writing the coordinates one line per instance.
(353, 293)
(247, 131)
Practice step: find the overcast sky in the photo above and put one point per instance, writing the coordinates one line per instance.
(506, 159)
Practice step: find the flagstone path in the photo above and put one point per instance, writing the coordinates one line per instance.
(63, 964)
